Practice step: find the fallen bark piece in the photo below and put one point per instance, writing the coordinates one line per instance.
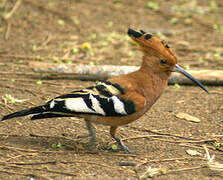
(188, 117)
(102, 72)
(127, 163)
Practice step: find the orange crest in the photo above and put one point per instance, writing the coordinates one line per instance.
(150, 44)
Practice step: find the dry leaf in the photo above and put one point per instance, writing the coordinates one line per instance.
(211, 163)
(151, 172)
(215, 166)
(193, 152)
(188, 117)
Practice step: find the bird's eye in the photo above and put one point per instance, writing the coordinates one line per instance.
(163, 61)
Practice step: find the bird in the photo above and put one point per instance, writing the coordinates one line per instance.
(121, 99)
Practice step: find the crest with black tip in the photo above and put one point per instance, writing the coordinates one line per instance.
(134, 33)
(148, 36)
(143, 32)
(167, 46)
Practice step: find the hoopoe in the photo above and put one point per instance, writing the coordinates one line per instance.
(119, 100)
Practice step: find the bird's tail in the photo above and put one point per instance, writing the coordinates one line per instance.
(31, 111)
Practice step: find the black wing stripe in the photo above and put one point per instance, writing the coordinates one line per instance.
(73, 95)
(97, 100)
(88, 102)
(117, 86)
(103, 90)
(107, 105)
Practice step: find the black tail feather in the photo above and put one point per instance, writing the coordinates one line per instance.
(35, 110)
(47, 115)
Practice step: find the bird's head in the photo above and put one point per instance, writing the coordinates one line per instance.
(158, 57)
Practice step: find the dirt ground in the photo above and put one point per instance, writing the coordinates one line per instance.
(94, 32)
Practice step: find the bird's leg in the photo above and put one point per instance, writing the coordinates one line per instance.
(91, 134)
(119, 141)
(90, 129)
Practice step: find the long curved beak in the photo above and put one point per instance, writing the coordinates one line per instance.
(179, 69)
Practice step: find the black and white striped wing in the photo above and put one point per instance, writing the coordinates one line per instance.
(93, 104)
(102, 99)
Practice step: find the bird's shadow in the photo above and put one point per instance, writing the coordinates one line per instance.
(43, 143)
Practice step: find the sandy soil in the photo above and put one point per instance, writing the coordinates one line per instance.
(94, 32)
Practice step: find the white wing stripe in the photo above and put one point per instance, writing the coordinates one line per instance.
(96, 105)
(52, 104)
(77, 105)
(118, 105)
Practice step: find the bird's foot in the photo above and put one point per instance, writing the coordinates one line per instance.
(92, 142)
(123, 146)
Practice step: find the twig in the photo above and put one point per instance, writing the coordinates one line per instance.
(43, 45)
(18, 149)
(7, 107)
(88, 162)
(152, 137)
(152, 172)
(29, 150)
(25, 174)
(40, 151)
(21, 155)
(185, 169)
(216, 92)
(145, 136)
(167, 140)
(15, 7)
(191, 146)
(8, 30)
(170, 159)
(198, 141)
(46, 41)
(63, 162)
(7, 16)
(211, 163)
(38, 169)
(166, 134)
(218, 135)
(207, 152)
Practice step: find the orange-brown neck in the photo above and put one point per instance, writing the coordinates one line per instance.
(152, 83)
(153, 70)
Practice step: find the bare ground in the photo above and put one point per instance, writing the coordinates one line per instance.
(94, 32)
